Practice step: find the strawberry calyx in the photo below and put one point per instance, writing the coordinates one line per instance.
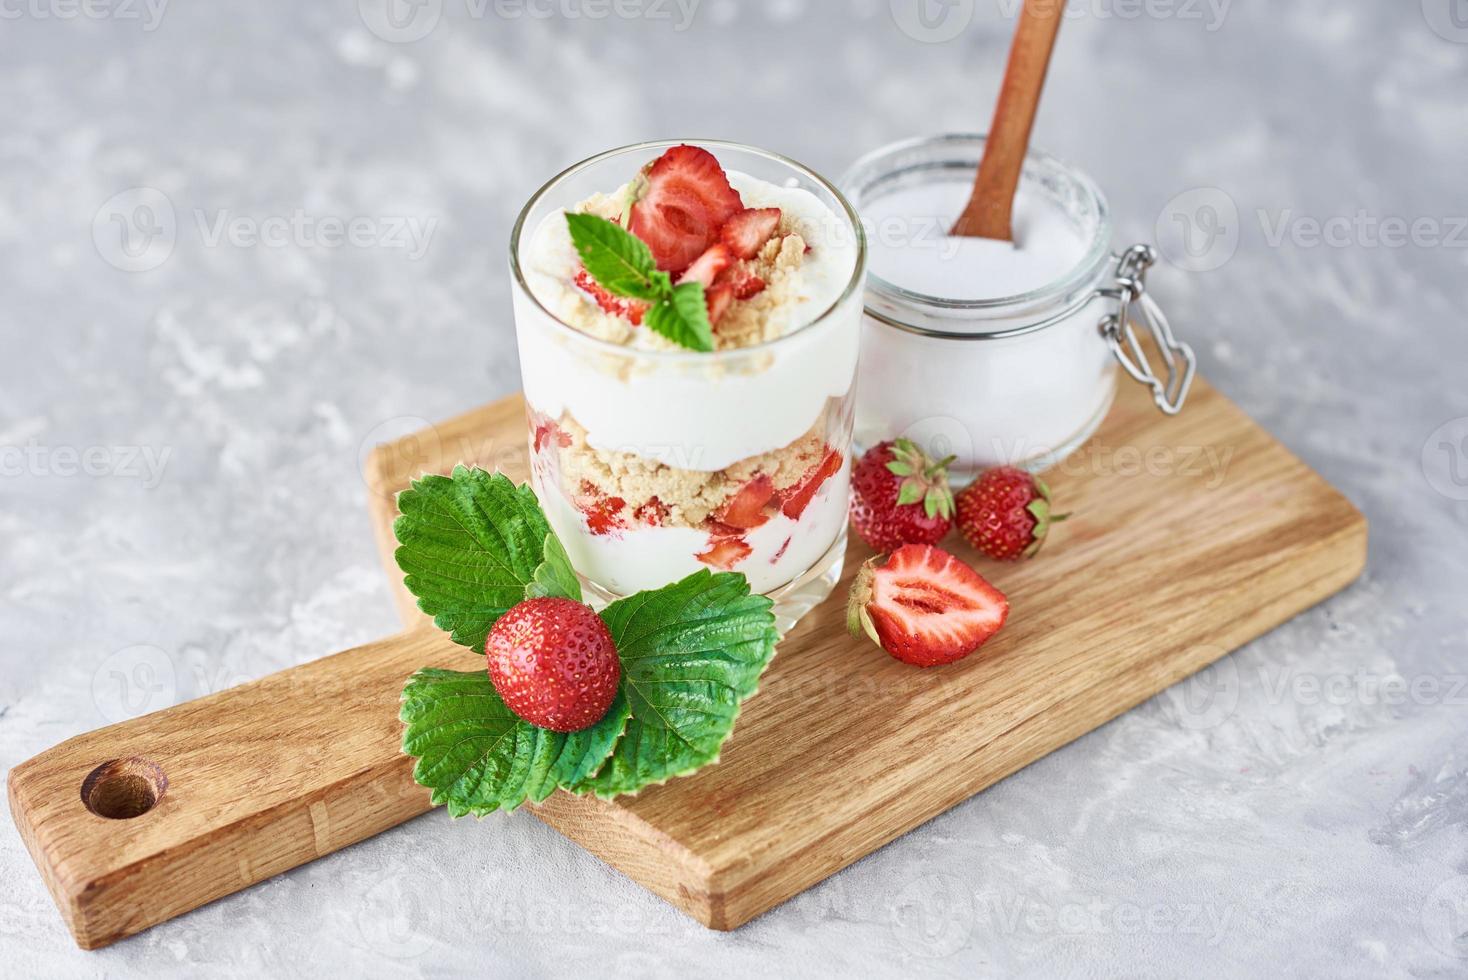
(924, 480)
(858, 620)
(1040, 510)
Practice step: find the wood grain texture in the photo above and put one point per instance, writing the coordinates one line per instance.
(990, 208)
(1170, 562)
(261, 778)
(1161, 571)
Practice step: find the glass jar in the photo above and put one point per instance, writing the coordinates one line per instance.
(1021, 378)
(653, 463)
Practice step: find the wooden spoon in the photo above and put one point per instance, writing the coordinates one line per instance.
(987, 214)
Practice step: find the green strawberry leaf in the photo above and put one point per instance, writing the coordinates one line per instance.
(470, 544)
(617, 259)
(683, 318)
(554, 576)
(691, 653)
(478, 756)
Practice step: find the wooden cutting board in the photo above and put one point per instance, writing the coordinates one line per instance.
(1192, 536)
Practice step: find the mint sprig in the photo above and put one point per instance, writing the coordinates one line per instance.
(622, 264)
(473, 545)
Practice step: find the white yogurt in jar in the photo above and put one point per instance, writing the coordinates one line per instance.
(982, 349)
(1047, 245)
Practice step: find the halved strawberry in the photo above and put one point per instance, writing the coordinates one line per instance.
(746, 509)
(924, 606)
(742, 280)
(632, 309)
(725, 552)
(794, 500)
(686, 201)
(718, 299)
(707, 267)
(747, 231)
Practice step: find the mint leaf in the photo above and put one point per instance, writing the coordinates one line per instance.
(683, 318)
(471, 543)
(617, 259)
(478, 756)
(691, 653)
(554, 576)
(622, 264)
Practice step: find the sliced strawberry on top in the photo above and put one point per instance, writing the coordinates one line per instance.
(687, 200)
(747, 231)
(746, 509)
(924, 606)
(632, 309)
(708, 266)
(742, 280)
(719, 299)
(797, 498)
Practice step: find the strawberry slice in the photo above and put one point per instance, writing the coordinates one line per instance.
(708, 266)
(746, 232)
(547, 433)
(742, 280)
(603, 513)
(631, 309)
(686, 201)
(924, 606)
(797, 498)
(719, 299)
(725, 552)
(746, 509)
(652, 513)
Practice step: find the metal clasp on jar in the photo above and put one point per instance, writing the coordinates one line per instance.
(1130, 290)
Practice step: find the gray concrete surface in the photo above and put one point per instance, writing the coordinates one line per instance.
(182, 416)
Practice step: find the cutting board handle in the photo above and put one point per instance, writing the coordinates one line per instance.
(144, 820)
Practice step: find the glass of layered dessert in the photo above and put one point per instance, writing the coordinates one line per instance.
(697, 414)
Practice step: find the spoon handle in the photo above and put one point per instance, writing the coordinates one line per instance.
(989, 208)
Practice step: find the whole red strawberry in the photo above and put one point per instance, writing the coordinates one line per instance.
(900, 496)
(554, 664)
(1006, 513)
(924, 606)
